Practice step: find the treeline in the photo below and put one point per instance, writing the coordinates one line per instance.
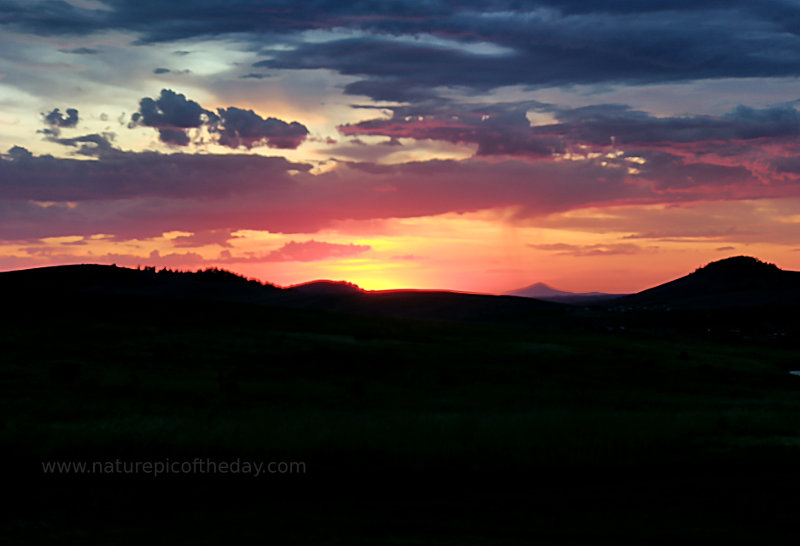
(213, 274)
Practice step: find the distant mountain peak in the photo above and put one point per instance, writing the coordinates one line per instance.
(542, 291)
(539, 290)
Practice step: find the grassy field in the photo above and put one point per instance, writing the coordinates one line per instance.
(410, 431)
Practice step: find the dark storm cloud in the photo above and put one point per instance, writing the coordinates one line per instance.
(56, 119)
(128, 175)
(172, 113)
(94, 145)
(246, 128)
(597, 124)
(670, 173)
(174, 137)
(505, 130)
(50, 17)
(539, 43)
(171, 110)
(499, 129)
(548, 47)
(399, 71)
(161, 71)
(768, 122)
(389, 90)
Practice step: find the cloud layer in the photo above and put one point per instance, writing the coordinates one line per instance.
(548, 113)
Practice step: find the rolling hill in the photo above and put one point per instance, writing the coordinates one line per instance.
(740, 281)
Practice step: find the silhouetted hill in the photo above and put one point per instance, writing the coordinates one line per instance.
(111, 285)
(541, 291)
(735, 282)
(740, 281)
(325, 287)
(74, 280)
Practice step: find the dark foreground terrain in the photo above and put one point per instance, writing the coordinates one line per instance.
(414, 418)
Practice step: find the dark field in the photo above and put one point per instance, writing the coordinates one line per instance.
(556, 428)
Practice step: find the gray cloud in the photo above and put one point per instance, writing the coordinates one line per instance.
(503, 129)
(533, 43)
(245, 128)
(172, 114)
(58, 120)
(499, 129)
(254, 76)
(174, 137)
(93, 145)
(171, 111)
(130, 175)
(81, 51)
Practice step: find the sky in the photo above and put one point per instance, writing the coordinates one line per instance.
(464, 145)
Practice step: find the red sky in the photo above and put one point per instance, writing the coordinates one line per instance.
(421, 146)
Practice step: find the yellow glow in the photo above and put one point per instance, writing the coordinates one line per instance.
(612, 249)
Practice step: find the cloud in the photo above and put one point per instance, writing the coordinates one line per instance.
(312, 251)
(613, 249)
(128, 175)
(588, 46)
(597, 124)
(219, 237)
(504, 129)
(500, 129)
(466, 44)
(293, 251)
(718, 223)
(145, 194)
(56, 120)
(81, 51)
(93, 145)
(172, 114)
(161, 71)
(142, 194)
(245, 128)
(55, 256)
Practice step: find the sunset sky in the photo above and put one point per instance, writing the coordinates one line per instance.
(476, 146)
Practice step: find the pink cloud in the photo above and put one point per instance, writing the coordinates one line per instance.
(312, 251)
(306, 251)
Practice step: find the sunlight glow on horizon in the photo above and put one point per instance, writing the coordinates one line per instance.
(481, 252)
